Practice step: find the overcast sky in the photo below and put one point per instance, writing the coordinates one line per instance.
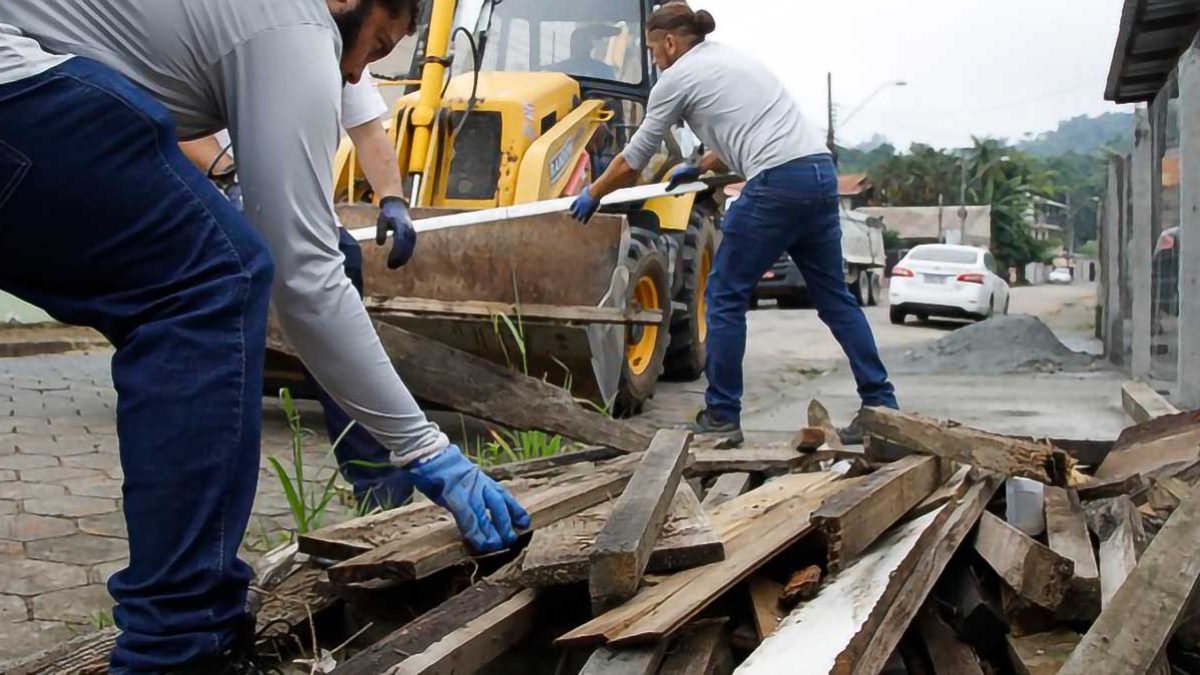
(985, 67)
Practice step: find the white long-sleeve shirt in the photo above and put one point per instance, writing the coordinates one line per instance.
(269, 71)
(735, 105)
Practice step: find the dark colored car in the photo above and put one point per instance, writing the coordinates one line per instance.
(782, 283)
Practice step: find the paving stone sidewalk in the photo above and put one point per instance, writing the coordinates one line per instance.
(62, 534)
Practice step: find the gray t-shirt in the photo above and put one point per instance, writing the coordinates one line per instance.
(269, 71)
(735, 105)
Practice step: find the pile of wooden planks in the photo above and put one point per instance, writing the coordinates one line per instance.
(808, 558)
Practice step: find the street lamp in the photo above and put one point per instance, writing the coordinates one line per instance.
(830, 139)
(878, 90)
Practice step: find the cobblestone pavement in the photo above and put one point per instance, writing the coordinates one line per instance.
(62, 534)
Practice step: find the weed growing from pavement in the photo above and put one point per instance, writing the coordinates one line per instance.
(306, 504)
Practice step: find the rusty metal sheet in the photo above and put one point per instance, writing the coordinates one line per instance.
(546, 260)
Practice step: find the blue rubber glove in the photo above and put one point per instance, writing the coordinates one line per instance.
(683, 174)
(584, 206)
(394, 218)
(485, 512)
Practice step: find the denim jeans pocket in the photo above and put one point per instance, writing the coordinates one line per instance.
(13, 167)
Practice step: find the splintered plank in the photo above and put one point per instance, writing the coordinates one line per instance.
(855, 623)
(641, 660)
(764, 601)
(421, 633)
(437, 547)
(833, 624)
(558, 554)
(1118, 527)
(727, 487)
(1067, 534)
(1033, 571)
(1151, 446)
(1043, 653)
(81, 655)
(1132, 631)
(469, 384)
(1142, 403)
(948, 654)
(1112, 487)
(856, 516)
(622, 549)
(476, 643)
(750, 460)
(993, 452)
(754, 527)
(818, 417)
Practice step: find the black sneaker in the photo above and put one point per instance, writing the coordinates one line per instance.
(731, 432)
(853, 433)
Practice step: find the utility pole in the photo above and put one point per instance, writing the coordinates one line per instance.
(830, 139)
(962, 203)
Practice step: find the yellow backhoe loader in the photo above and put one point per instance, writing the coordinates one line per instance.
(510, 103)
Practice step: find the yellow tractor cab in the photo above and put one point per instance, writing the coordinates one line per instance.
(504, 103)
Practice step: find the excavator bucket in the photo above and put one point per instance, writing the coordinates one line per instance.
(541, 294)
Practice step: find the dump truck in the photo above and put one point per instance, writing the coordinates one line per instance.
(508, 104)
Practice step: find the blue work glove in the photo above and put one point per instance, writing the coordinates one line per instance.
(394, 218)
(485, 512)
(683, 174)
(584, 206)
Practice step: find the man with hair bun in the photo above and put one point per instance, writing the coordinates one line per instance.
(754, 128)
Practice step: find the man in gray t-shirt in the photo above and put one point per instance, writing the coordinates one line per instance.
(105, 223)
(751, 126)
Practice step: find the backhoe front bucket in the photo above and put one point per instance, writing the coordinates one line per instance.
(546, 274)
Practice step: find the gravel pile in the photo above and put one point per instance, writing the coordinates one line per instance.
(1016, 343)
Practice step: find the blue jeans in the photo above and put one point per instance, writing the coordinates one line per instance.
(104, 223)
(793, 208)
(363, 461)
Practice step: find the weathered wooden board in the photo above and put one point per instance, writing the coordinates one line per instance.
(846, 611)
(704, 650)
(1118, 528)
(754, 528)
(558, 553)
(856, 622)
(81, 655)
(818, 417)
(728, 486)
(1067, 535)
(993, 452)
(1160, 442)
(477, 642)
(1142, 403)
(1112, 487)
(1043, 653)
(469, 384)
(745, 460)
(438, 547)
(540, 465)
(947, 654)
(915, 589)
(1132, 631)
(855, 517)
(636, 660)
(764, 602)
(1032, 570)
(622, 548)
(423, 632)
(567, 314)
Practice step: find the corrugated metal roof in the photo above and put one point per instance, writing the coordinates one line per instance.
(1153, 33)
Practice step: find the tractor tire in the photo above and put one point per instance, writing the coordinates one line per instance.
(645, 346)
(689, 329)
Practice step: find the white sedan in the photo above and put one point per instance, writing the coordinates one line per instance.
(948, 281)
